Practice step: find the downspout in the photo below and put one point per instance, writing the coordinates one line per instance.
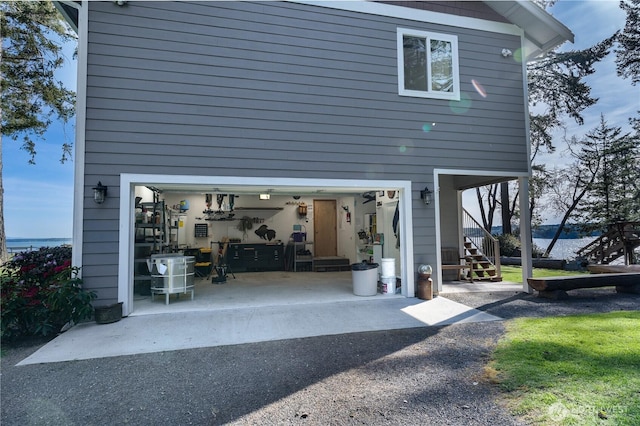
(81, 116)
(436, 205)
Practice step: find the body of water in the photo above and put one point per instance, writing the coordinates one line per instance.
(22, 244)
(565, 248)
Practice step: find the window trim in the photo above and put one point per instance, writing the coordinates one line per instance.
(427, 35)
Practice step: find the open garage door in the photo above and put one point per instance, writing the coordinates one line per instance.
(192, 224)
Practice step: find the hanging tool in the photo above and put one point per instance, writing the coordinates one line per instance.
(232, 198)
(220, 199)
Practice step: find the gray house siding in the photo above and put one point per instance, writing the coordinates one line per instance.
(280, 90)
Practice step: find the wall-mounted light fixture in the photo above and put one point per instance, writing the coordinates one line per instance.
(506, 53)
(120, 2)
(425, 194)
(99, 193)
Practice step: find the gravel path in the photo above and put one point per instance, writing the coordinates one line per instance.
(430, 375)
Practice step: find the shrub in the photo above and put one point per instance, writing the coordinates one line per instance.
(40, 293)
(536, 251)
(509, 245)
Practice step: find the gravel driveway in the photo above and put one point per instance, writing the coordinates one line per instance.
(430, 375)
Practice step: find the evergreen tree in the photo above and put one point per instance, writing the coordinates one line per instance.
(31, 96)
(613, 193)
(628, 51)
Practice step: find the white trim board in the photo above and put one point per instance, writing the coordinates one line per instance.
(126, 219)
(79, 149)
(417, 15)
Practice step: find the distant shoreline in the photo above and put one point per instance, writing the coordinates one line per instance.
(37, 239)
(19, 244)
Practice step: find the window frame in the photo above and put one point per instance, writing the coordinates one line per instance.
(429, 93)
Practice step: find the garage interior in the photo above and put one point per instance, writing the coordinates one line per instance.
(256, 245)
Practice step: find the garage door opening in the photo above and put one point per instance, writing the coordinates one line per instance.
(254, 245)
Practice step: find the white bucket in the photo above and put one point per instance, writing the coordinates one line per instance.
(388, 285)
(388, 267)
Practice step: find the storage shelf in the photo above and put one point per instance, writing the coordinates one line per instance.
(304, 258)
(152, 234)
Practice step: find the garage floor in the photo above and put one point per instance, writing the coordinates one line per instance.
(254, 307)
(256, 289)
(260, 289)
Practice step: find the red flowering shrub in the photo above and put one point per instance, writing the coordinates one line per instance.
(40, 293)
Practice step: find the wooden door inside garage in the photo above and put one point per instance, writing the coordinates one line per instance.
(325, 237)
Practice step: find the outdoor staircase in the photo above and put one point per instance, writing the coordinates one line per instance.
(620, 240)
(479, 257)
(481, 268)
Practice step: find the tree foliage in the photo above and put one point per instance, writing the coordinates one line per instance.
(32, 35)
(557, 80)
(557, 86)
(628, 51)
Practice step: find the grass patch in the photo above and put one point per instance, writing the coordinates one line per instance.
(514, 273)
(572, 370)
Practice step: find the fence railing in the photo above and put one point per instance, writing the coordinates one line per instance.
(620, 240)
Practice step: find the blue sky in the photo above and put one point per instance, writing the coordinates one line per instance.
(38, 199)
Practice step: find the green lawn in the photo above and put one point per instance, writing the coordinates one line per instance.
(572, 370)
(514, 273)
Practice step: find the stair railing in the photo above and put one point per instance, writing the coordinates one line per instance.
(486, 243)
(621, 239)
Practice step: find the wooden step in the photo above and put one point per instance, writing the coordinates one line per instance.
(331, 263)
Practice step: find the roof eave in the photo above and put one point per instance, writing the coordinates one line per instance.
(542, 31)
(69, 11)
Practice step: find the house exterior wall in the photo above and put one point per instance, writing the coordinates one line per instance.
(286, 90)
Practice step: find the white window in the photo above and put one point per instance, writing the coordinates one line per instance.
(428, 65)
